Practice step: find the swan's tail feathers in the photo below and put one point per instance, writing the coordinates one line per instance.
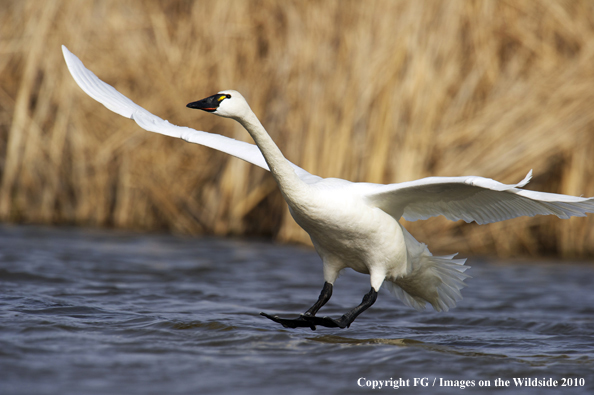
(434, 279)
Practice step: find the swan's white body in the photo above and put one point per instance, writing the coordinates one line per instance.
(356, 224)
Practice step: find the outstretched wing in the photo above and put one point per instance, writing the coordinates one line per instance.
(120, 104)
(478, 199)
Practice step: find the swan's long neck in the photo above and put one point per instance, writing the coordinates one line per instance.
(286, 178)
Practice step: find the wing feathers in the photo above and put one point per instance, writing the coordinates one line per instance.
(477, 199)
(97, 89)
(120, 104)
(239, 149)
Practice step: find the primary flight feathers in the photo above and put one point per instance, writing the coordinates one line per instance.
(120, 104)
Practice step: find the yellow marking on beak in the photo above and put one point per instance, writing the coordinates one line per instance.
(221, 98)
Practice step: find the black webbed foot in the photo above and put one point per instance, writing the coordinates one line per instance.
(309, 320)
(300, 322)
(327, 322)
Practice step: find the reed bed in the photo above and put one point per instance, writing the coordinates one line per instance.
(378, 91)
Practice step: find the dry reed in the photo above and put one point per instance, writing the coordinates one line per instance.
(380, 91)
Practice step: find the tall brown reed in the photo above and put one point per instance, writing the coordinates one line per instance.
(380, 91)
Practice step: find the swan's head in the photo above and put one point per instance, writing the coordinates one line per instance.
(229, 104)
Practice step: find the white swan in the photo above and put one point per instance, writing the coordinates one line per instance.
(356, 224)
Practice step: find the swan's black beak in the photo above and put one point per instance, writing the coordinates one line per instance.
(210, 104)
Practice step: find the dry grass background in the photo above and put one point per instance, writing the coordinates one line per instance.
(379, 91)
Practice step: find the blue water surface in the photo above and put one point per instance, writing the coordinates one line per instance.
(110, 312)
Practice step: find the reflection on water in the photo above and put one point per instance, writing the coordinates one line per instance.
(85, 311)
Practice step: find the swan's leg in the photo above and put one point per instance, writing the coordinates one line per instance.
(347, 319)
(311, 312)
(324, 297)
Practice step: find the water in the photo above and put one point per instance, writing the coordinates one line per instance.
(105, 312)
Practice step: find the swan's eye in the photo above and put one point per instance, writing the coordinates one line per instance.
(228, 96)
